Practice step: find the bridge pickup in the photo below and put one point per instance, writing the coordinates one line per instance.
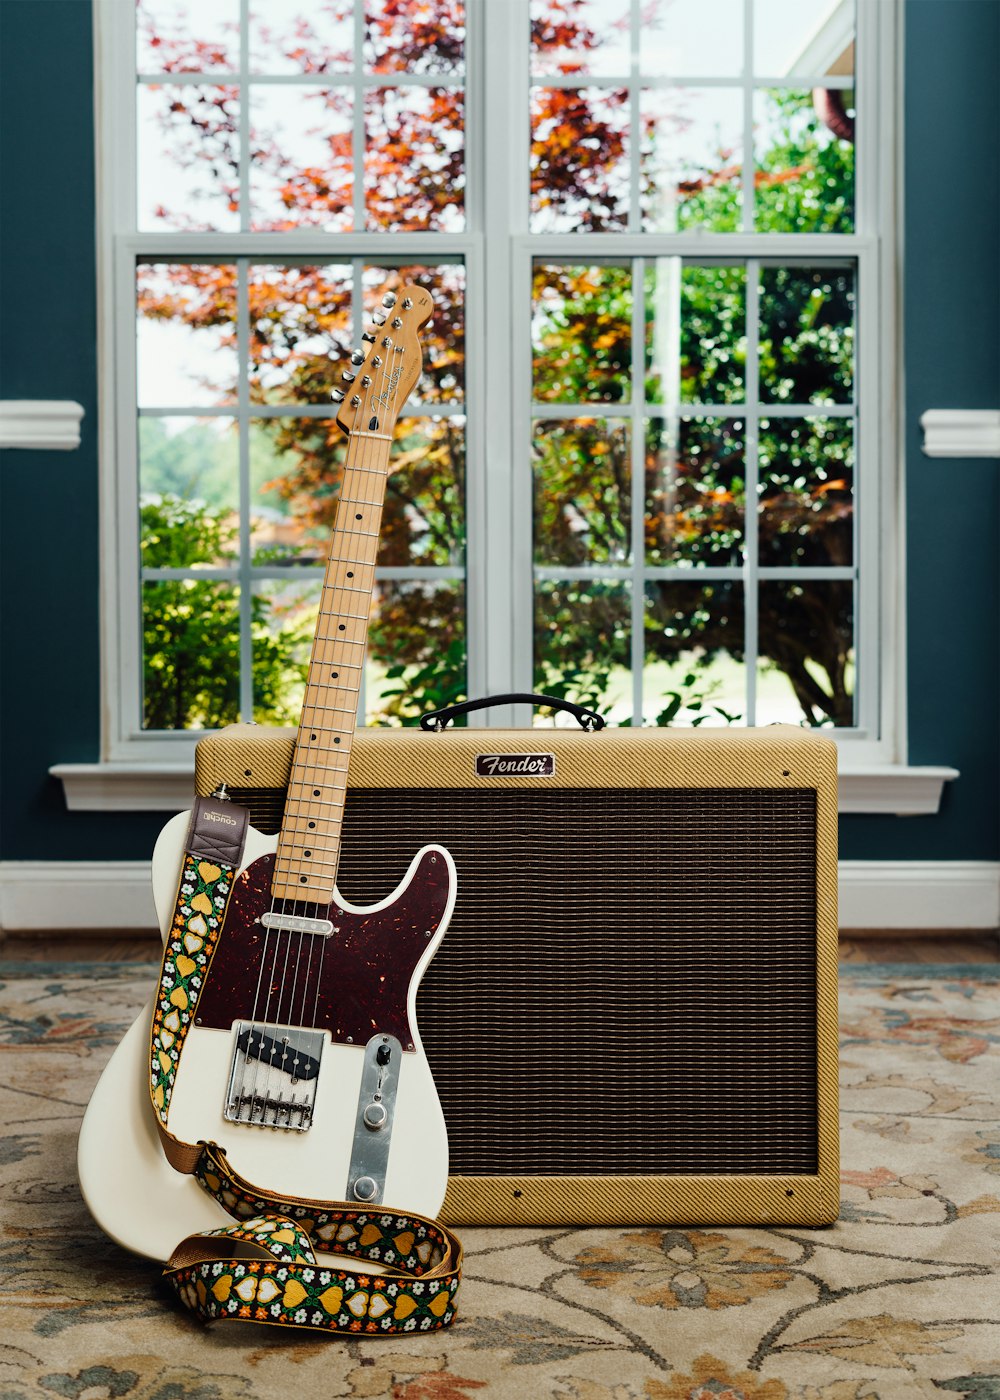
(296, 923)
(272, 1082)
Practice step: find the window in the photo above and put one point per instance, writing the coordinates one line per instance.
(645, 465)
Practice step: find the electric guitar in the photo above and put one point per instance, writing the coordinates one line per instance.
(302, 1058)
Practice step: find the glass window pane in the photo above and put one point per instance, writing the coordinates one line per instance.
(415, 159)
(803, 38)
(283, 620)
(188, 157)
(582, 478)
(424, 518)
(416, 650)
(804, 154)
(694, 672)
(582, 631)
(425, 38)
(806, 647)
(588, 37)
(806, 335)
(301, 174)
(300, 331)
(186, 334)
(442, 379)
(692, 38)
(168, 42)
(806, 504)
(695, 332)
(188, 492)
(190, 653)
(692, 159)
(295, 470)
(286, 37)
(695, 491)
(579, 160)
(581, 331)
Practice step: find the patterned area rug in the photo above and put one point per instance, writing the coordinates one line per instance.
(900, 1298)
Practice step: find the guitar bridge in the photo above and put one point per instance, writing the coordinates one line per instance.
(275, 1070)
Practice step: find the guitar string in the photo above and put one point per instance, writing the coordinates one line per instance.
(314, 908)
(334, 559)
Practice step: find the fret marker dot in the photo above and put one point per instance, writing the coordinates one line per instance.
(336, 741)
(312, 826)
(350, 573)
(358, 516)
(315, 792)
(342, 626)
(334, 674)
(302, 879)
(307, 853)
(312, 736)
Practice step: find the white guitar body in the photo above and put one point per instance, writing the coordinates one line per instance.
(146, 1206)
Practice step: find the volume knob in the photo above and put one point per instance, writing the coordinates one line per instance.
(375, 1116)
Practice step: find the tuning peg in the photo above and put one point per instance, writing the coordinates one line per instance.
(407, 303)
(337, 395)
(389, 300)
(348, 376)
(370, 338)
(358, 358)
(378, 317)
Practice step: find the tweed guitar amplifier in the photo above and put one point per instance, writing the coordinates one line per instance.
(633, 1016)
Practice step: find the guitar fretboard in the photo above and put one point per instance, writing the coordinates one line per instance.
(309, 845)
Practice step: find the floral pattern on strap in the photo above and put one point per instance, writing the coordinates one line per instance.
(201, 906)
(301, 1293)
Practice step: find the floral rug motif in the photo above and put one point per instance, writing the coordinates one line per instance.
(900, 1298)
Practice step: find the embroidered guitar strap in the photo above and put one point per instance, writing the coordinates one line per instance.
(264, 1268)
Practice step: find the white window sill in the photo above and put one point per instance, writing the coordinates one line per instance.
(886, 789)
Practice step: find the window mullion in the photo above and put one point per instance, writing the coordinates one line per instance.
(638, 492)
(751, 558)
(243, 419)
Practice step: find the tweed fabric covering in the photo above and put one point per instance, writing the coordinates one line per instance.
(898, 1299)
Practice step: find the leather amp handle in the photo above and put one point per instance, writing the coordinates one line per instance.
(439, 719)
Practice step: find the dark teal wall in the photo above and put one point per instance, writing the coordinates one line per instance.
(951, 318)
(49, 697)
(49, 641)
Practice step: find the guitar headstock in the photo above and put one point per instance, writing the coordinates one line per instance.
(385, 370)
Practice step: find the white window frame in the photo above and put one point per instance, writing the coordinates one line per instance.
(499, 572)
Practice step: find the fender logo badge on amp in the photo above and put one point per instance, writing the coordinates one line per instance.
(515, 765)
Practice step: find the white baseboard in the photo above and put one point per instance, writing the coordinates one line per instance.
(877, 894)
(75, 894)
(920, 894)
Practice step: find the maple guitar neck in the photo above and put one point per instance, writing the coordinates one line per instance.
(309, 843)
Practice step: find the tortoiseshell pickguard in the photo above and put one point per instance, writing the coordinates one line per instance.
(352, 982)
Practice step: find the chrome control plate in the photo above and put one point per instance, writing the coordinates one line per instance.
(373, 1124)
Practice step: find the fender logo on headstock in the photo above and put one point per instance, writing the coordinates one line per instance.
(391, 387)
(515, 765)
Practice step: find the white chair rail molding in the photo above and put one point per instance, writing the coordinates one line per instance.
(961, 432)
(45, 425)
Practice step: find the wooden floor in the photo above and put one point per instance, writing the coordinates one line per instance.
(856, 946)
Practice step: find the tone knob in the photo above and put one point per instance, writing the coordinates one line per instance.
(365, 1189)
(358, 357)
(375, 1116)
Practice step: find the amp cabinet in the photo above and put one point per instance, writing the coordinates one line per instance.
(633, 1015)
